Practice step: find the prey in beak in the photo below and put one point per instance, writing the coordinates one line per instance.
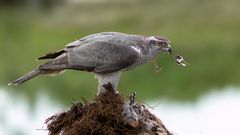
(180, 61)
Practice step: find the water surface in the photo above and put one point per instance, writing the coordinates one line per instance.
(214, 113)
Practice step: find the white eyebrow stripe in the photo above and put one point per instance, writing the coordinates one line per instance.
(152, 38)
(138, 50)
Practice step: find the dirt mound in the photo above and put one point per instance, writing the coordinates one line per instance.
(109, 114)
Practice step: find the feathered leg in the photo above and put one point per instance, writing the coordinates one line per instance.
(105, 79)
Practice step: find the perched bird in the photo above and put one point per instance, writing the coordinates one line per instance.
(105, 54)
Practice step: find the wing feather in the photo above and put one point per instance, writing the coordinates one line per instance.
(101, 53)
(102, 57)
(52, 55)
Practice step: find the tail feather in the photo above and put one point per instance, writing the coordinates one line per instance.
(54, 66)
(26, 77)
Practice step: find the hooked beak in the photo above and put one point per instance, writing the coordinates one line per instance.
(170, 50)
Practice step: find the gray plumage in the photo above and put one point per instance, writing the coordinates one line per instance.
(106, 54)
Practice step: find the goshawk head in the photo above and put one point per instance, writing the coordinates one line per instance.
(160, 43)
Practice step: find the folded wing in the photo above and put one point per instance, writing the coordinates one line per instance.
(102, 57)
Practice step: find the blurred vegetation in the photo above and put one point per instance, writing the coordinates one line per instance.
(205, 32)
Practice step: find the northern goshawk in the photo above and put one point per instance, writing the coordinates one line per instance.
(106, 54)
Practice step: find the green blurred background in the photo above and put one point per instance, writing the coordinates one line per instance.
(205, 32)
